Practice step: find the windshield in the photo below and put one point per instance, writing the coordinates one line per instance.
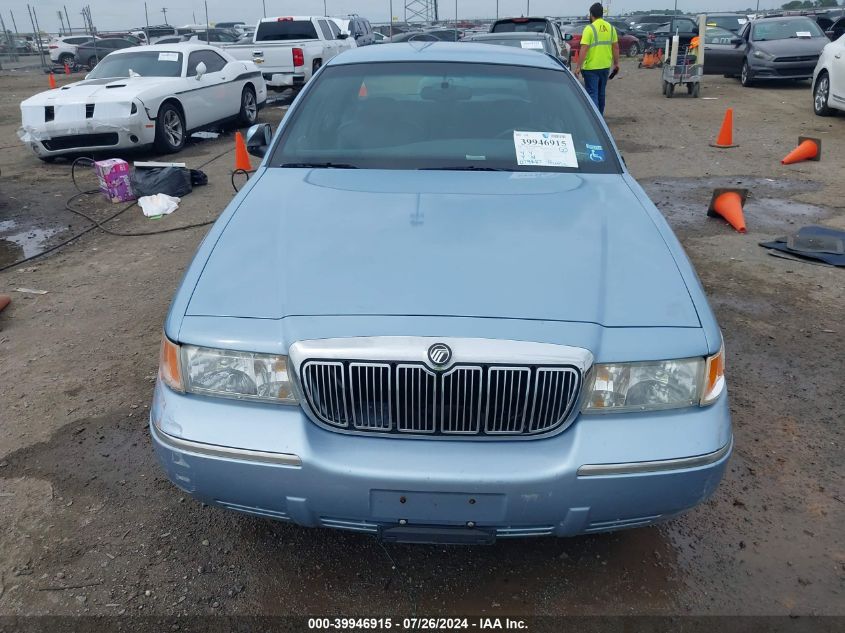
(445, 115)
(286, 29)
(532, 26)
(716, 35)
(785, 29)
(144, 63)
(730, 22)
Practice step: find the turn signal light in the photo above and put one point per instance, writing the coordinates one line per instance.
(169, 367)
(714, 377)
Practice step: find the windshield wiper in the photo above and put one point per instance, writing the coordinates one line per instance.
(320, 165)
(463, 168)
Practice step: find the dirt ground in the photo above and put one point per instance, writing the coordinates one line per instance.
(89, 525)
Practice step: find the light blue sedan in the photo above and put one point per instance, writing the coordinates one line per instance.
(443, 311)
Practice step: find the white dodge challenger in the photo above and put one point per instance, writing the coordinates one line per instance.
(144, 95)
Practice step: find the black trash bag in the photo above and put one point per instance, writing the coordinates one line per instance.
(174, 181)
(198, 178)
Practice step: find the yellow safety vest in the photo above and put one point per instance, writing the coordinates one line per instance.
(600, 36)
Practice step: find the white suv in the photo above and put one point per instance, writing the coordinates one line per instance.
(63, 49)
(829, 79)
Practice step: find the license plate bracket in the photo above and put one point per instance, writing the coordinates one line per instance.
(435, 535)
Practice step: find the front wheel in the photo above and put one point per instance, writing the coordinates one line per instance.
(745, 77)
(66, 58)
(92, 61)
(633, 50)
(249, 107)
(170, 129)
(821, 93)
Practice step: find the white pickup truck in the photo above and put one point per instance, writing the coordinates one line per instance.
(288, 50)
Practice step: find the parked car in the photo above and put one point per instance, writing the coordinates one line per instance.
(90, 53)
(540, 42)
(685, 28)
(773, 48)
(146, 95)
(357, 28)
(380, 38)
(63, 49)
(219, 37)
(229, 25)
(528, 25)
(729, 21)
(649, 20)
(289, 50)
(628, 44)
(829, 79)
(388, 376)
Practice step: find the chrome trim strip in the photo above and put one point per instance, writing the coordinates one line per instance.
(631, 468)
(225, 452)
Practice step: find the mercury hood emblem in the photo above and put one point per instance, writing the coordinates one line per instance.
(439, 354)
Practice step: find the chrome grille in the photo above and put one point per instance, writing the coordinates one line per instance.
(410, 398)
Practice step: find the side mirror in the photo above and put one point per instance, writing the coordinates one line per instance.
(201, 70)
(737, 41)
(342, 36)
(567, 37)
(258, 139)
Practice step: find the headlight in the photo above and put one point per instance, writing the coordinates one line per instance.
(654, 385)
(762, 55)
(226, 373)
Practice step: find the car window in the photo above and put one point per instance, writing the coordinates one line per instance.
(335, 30)
(324, 29)
(76, 40)
(144, 63)
(213, 62)
(427, 115)
(285, 29)
(767, 30)
(716, 35)
(518, 25)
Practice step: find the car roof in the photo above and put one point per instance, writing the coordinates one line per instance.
(510, 36)
(783, 18)
(181, 47)
(443, 52)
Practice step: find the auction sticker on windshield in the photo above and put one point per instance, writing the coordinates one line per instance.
(544, 149)
(531, 44)
(168, 57)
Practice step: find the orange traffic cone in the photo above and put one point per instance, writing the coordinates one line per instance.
(726, 133)
(362, 91)
(4, 301)
(647, 60)
(728, 204)
(67, 68)
(52, 81)
(808, 149)
(241, 155)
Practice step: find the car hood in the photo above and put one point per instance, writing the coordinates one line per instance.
(540, 246)
(793, 47)
(101, 90)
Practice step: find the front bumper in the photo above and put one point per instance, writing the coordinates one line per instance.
(99, 133)
(604, 472)
(762, 70)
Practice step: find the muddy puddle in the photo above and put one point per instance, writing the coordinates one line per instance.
(769, 209)
(17, 242)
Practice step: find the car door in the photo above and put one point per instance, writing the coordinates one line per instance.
(211, 97)
(719, 50)
(837, 74)
(330, 44)
(338, 45)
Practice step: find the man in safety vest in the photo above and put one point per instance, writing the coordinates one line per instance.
(599, 51)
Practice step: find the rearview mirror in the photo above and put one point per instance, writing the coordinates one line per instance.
(258, 139)
(201, 68)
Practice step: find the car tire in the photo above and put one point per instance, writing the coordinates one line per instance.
(248, 114)
(633, 50)
(170, 129)
(66, 58)
(670, 89)
(745, 77)
(821, 95)
(92, 61)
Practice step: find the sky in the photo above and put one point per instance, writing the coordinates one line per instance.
(120, 14)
